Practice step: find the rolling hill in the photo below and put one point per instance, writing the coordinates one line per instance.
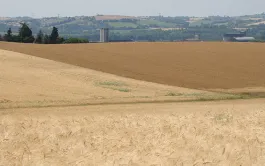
(199, 65)
(53, 113)
(79, 24)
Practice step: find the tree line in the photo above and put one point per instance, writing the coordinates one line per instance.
(25, 36)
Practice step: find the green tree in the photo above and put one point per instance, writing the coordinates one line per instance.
(263, 36)
(25, 33)
(76, 40)
(60, 40)
(1, 38)
(54, 35)
(8, 35)
(40, 37)
(16, 38)
(46, 39)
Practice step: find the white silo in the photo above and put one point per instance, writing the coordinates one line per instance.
(104, 35)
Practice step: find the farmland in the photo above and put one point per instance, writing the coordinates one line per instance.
(192, 65)
(67, 85)
(223, 133)
(132, 104)
(145, 28)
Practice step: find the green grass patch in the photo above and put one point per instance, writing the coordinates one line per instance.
(253, 94)
(200, 22)
(111, 83)
(194, 94)
(121, 31)
(114, 85)
(122, 89)
(224, 97)
(122, 25)
(157, 23)
(173, 94)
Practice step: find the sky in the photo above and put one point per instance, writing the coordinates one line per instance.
(48, 8)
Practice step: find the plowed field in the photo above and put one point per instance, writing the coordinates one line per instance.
(192, 65)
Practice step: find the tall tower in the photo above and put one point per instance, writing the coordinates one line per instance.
(104, 35)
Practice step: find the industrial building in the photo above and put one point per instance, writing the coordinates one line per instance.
(194, 39)
(228, 37)
(244, 39)
(104, 35)
(237, 37)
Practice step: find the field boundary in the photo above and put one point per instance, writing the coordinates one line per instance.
(138, 102)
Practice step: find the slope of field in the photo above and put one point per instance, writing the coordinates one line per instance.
(192, 65)
(53, 113)
(209, 134)
(27, 81)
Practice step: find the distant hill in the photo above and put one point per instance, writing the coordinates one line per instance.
(113, 17)
(118, 24)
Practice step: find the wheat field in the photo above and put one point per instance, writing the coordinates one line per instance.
(224, 133)
(58, 111)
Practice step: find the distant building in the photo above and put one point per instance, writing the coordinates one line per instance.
(237, 37)
(196, 38)
(104, 35)
(244, 39)
(228, 37)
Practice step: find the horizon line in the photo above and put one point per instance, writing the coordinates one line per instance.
(161, 15)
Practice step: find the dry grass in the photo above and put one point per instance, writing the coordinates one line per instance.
(224, 133)
(257, 23)
(113, 17)
(192, 65)
(27, 81)
(195, 19)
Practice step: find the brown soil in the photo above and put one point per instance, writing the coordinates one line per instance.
(193, 65)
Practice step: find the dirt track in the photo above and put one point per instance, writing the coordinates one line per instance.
(192, 65)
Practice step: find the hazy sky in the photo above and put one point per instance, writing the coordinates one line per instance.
(43, 8)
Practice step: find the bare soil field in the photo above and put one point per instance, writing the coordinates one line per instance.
(257, 23)
(191, 65)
